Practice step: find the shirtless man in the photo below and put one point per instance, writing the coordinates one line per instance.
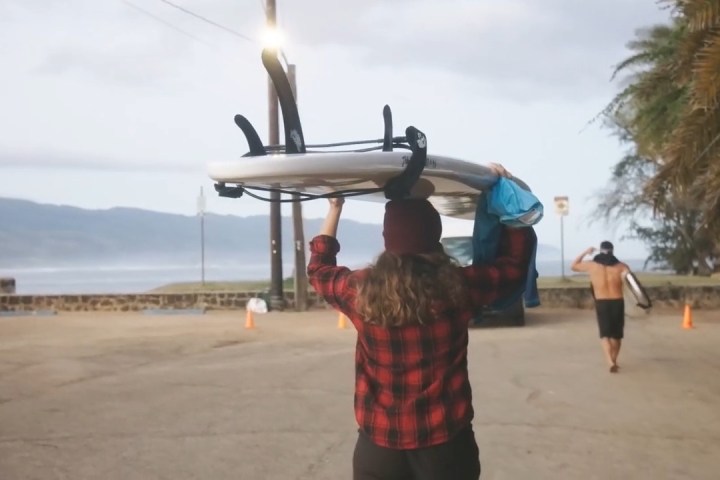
(607, 274)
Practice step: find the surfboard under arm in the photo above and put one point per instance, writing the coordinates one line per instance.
(638, 291)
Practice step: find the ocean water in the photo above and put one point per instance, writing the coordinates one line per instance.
(137, 278)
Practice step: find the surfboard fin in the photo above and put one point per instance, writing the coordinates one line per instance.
(399, 187)
(256, 146)
(294, 138)
(388, 136)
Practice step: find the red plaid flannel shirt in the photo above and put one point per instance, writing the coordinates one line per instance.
(411, 382)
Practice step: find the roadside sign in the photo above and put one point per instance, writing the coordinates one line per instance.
(562, 206)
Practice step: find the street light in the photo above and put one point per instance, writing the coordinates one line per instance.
(273, 39)
(277, 297)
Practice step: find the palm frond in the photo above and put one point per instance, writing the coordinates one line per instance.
(639, 59)
(706, 73)
(701, 14)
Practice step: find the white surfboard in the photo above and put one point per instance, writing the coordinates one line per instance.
(451, 184)
(642, 299)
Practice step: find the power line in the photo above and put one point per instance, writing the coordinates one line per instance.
(164, 22)
(215, 24)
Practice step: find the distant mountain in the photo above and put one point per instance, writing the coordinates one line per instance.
(34, 235)
(548, 252)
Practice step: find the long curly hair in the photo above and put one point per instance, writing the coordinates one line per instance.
(404, 289)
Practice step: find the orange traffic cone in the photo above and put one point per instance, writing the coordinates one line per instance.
(249, 320)
(342, 323)
(687, 318)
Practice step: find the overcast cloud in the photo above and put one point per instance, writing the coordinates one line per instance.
(521, 49)
(93, 89)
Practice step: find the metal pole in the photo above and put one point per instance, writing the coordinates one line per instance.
(300, 277)
(201, 213)
(562, 246)
(202, 247)
(562, 206)
(277, 297)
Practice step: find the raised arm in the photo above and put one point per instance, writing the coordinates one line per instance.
(330, 225)
(503, 277)
(578, 265)
(329, 280)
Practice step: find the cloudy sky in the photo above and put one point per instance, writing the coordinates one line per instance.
(122, 103)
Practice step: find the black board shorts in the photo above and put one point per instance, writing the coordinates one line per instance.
(610, 318)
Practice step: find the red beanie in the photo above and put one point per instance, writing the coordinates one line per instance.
(411, 226)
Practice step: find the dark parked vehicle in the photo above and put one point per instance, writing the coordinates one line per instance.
(514, 315)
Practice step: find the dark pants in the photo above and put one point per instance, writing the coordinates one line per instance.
(458, 459)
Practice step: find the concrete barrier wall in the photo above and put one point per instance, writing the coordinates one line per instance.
(669, 296)
(7, 285)
(129, 302)
(662, 297)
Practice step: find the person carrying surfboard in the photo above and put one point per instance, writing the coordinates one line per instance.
(412, 310)
(607, 274)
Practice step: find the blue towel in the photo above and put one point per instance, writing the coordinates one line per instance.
(514, 205)
(490, 214)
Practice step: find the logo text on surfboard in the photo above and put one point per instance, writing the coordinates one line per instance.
(428, 163)
(297, 139)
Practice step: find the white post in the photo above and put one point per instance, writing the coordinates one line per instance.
(201, 214)
(562, 247)
(562, 208)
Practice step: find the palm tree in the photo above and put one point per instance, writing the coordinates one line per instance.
(648, 113)
(651, 103)
(691, 154)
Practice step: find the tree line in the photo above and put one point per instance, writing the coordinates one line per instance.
(667, 115)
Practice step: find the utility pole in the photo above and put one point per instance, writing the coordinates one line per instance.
(301, 303)
(277, 297)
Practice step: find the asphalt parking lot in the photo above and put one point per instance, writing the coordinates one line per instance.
(132, 396)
